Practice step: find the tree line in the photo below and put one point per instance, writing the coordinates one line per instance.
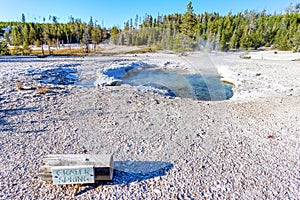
(24, 34)
(179, 32)
(244, 30)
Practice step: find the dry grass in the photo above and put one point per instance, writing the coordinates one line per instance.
(245, 56)
(76, 51)
(61, 52)
(41, 90)
(145, 49)
(139, 50)
(271, 136)
(19, 85)
(227, 82)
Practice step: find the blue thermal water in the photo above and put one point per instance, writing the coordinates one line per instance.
(196, 86)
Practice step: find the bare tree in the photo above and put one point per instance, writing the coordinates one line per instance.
(86, 39)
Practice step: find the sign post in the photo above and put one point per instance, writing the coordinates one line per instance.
(73, 175)
(76, 168)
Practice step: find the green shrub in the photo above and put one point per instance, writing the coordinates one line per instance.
(3, 48)
(245, 56)
(17, 50)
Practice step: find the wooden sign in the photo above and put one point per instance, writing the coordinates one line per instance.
(77, 168)
(73, 175)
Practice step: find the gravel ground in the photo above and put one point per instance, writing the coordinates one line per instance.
(164, 148)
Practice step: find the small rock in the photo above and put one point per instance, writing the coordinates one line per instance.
(156, 101)
(166, 63)
(271, 136)
(157, 191)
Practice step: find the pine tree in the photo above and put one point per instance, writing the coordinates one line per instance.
(32, 34)
(23, 18)
(16, 36)
(56, 31)
(25, 32)
(96, 36)
(188, 22)
(114, 34)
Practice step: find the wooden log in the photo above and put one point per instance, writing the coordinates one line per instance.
(103, 164)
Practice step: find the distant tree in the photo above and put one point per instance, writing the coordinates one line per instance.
(47, 36)
(188, 22)
(295, 40)
(23, 18)
(67, 33)
(56, 31)
(91, 23)
(25, 33)
(136, 21)
(131, 23)
(182, 43)
(3, 48)
(78, 31)
(86, 39)
(126, 26)
(16, 36)
(104, 34)
(7, 38)
(96, 36)
(150, 21)
(40, 39)
(32, 33)
(114, 35)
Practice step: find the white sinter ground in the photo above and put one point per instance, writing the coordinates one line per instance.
(166, 148)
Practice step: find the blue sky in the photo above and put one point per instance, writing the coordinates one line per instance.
(116, 12)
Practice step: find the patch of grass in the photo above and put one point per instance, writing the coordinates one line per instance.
(245, 56)
(20, 50)
(16, 51)
(227, 82)
(61, 52)
(76, 51)
(19, 85)
(271, 136)
(42, 90)
(68, 52)
(142, 50)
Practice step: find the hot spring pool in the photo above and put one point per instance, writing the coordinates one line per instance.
(196, 86)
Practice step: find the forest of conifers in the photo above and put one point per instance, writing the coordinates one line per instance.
(23, 34)
(187, 31)
(247, 30)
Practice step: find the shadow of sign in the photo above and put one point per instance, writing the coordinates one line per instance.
(126, 172)
(132, 171)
